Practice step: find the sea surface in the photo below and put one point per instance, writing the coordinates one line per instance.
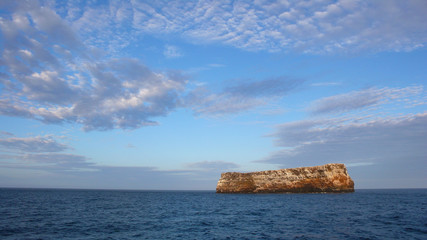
(106, 214)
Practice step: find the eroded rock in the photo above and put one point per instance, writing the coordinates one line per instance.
(326, 178)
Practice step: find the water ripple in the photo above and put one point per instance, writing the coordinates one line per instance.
(84, 214)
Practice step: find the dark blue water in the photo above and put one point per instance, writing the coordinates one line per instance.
(97, 214)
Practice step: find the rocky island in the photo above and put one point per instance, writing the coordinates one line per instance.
(331, 178)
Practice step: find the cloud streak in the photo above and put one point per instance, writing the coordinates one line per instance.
(217, 166)
(265, 88)
(31, 144)
(365, 98)
(241, 97)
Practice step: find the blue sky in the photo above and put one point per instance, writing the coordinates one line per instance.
(169, 94)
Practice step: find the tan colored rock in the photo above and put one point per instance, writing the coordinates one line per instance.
(327, 178)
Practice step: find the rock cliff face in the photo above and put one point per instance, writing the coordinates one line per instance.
(327, 178)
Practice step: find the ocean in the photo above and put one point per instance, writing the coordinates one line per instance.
(117, 214)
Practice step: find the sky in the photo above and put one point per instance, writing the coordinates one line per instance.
(167, 95)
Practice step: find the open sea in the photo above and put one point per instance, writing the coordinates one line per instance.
(106, 214)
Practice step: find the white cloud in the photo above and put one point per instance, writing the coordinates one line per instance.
(309, 26)
(172, 52)
(47, 86)
(57, 30)
(50, 78)
(53, 75)
(106, 26)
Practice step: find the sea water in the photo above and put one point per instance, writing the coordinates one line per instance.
(106, 214)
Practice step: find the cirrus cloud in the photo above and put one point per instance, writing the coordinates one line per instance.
(317, 27)
(308, 26)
